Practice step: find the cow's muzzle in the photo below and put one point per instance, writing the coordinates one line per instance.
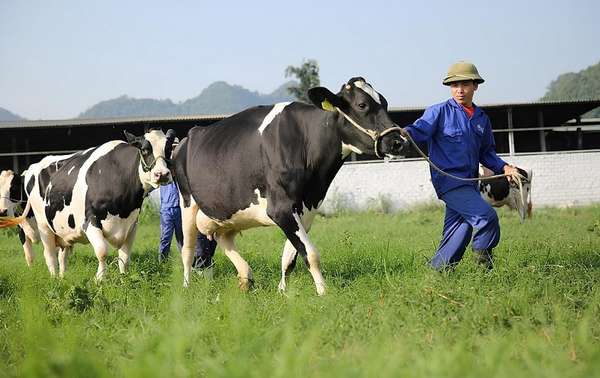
(390, 142)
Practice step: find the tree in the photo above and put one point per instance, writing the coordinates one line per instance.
(307, 74)
(583, 85)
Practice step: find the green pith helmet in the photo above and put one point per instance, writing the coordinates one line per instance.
(462, 71)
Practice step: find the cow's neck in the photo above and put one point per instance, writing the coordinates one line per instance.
(325, 157)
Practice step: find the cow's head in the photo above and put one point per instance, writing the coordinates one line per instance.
(365, 126)
(499, 192)
(11, 193)
(155, 149)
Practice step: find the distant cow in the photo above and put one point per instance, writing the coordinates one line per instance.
(499, 192)
(96, 195)
(272, 165)
(12, 197)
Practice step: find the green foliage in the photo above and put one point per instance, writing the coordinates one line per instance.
(583, 85)
(386, 313)
(307, 74)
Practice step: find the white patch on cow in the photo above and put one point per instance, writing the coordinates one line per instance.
(368, 89)
(254, 215)
(116, 229)
(70, 170)
(7, 204)
(277, 108)
(347, 149)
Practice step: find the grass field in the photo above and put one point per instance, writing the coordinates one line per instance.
(386, 313)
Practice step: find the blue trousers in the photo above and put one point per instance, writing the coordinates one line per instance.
(170, 222)
(465, 211)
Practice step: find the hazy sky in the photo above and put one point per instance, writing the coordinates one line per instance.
(58, 58)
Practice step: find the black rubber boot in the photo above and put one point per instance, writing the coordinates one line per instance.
(484, 257)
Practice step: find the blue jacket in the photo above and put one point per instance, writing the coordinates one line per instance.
(456, 144)
(169, 196)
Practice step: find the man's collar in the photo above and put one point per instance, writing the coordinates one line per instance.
(455, 104)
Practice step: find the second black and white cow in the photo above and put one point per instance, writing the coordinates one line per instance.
(500, 192)
(272, 165)
(96, 195)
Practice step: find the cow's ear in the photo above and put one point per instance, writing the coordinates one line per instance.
(324, 99)
(132, 139)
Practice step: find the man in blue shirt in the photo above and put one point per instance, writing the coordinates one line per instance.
(459, 137)
(170, 221)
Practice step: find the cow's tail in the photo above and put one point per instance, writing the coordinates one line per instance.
(15, 221)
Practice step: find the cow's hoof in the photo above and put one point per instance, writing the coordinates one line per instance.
(320, 289)
(246, 284)
(281, 287)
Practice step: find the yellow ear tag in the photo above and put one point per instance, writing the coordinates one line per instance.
(326, 105)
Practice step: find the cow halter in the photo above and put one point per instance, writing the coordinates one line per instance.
(148, 167)
(374, 135)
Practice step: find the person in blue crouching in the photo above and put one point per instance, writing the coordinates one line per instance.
(459, 137)
(170, 222)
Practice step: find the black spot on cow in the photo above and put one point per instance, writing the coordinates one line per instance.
(71, 221)
(21, 235)
(499, 188)
(30, 184)
(17, 193)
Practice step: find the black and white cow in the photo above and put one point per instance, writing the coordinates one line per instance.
(12, 198)
(96, 195)
(499, 192)
(272, 165)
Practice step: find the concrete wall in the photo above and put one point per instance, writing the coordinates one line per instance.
(559, 179)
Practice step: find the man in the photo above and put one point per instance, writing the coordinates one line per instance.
(459, 137)
(170, 221)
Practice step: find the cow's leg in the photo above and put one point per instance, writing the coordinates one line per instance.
(98, 242)
(288, 258)
(296, 234)
(63, 253)
(125, 249)
(227, 243)
(190, 233)
(27, 246)
(49, 243)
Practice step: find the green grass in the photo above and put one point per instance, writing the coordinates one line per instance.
(386, 313)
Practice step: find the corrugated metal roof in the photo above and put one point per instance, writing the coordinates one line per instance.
(75, 122)
(590, 101)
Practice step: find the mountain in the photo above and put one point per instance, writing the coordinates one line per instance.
(5, 115)
(218, 98)
(582, 85)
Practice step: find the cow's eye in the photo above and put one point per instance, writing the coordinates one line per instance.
(362, 106)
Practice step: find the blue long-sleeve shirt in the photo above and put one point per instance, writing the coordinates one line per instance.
(456, 144)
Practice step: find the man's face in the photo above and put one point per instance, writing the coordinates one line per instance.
(463, 91)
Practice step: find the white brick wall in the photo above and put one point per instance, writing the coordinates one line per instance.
(559, 179)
